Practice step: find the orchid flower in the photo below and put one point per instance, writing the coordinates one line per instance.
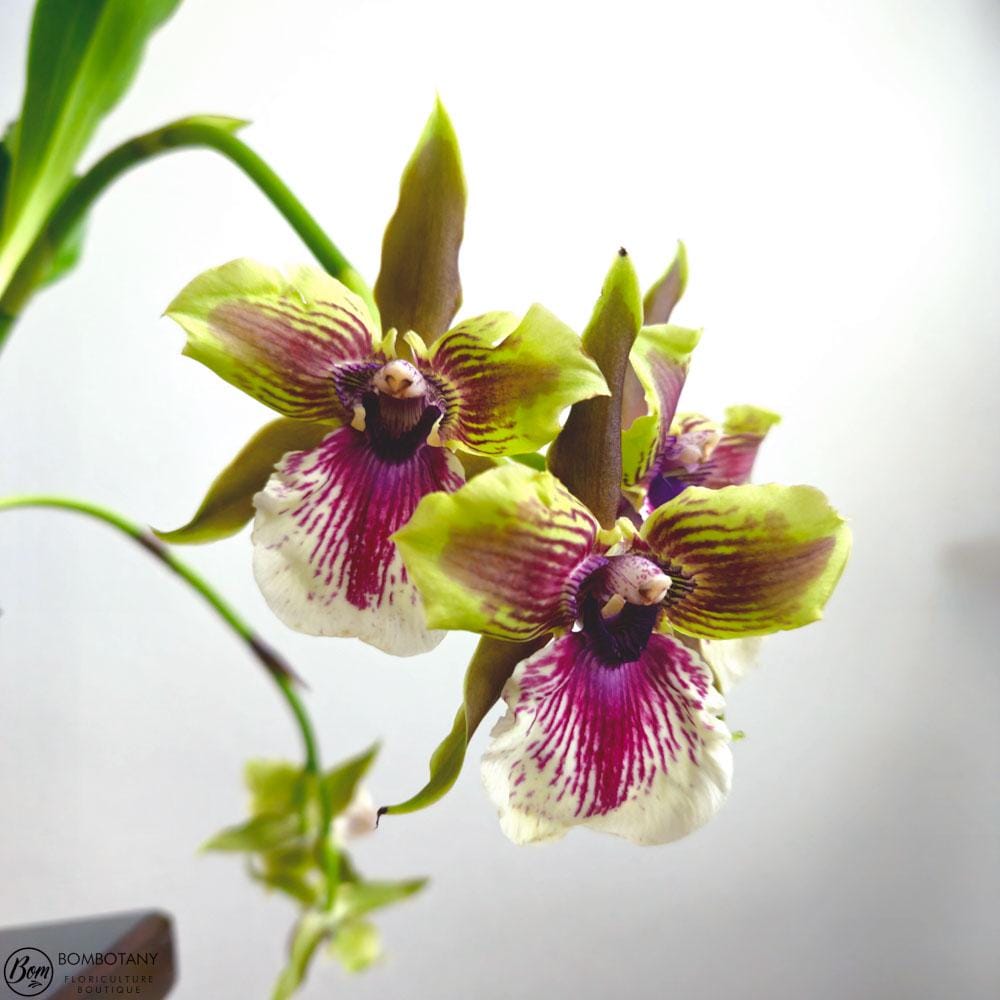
(615, 723)
(695, 451)
(370, 421)
(382, 425)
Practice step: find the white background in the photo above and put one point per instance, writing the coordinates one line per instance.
(833, 170)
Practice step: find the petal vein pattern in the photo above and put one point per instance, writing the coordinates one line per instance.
(634, 750)
(323, 553)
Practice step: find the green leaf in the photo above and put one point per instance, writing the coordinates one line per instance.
(228, 504)
(81, 59)
(342, 781)
(586, 455)
(261, 833)
(666, 293)
(358, 898)
(310, 933)
(418, 286)
(492, 664)
(356, 945)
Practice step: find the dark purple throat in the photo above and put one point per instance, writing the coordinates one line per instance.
(622, 637)
(397, 428)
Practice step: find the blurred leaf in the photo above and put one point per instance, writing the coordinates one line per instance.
(342, 781)
(587, 454)
(666, 293)
(291, 856)
(297, 886)
(357, 898)
(228, 505)
(261, 833)
(5, 167)
(81, 59)
(418, 286)
(491, 665)
(312, 929)
(356, 945)
(67, 256)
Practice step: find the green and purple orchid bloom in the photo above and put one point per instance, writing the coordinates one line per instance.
(372, 417)
(391, 418)
(615, 723)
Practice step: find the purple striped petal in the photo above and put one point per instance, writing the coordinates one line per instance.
(660, 356)
(636, 750)
(505, 383)
(505, 556)
(323, 554)
(278, 339)
(747, 560)
(732, 460)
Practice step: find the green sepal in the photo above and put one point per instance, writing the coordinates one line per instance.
(81, 59)
(228, 504)
(342, 781)
(357, 945)
(533, 461)
(489, 669)
(586, 455)
(418, 286)
(664, 295)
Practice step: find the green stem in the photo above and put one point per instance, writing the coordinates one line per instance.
(184, 134)
(272, 661)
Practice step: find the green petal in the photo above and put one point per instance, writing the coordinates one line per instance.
(506, 399)
(586, 455)
(747, 560)
(666, 293)
(418, 286)
(498, 556)
(278, 339)
(746, 419)
(228, 505)
(660, 357)
(491, 666)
